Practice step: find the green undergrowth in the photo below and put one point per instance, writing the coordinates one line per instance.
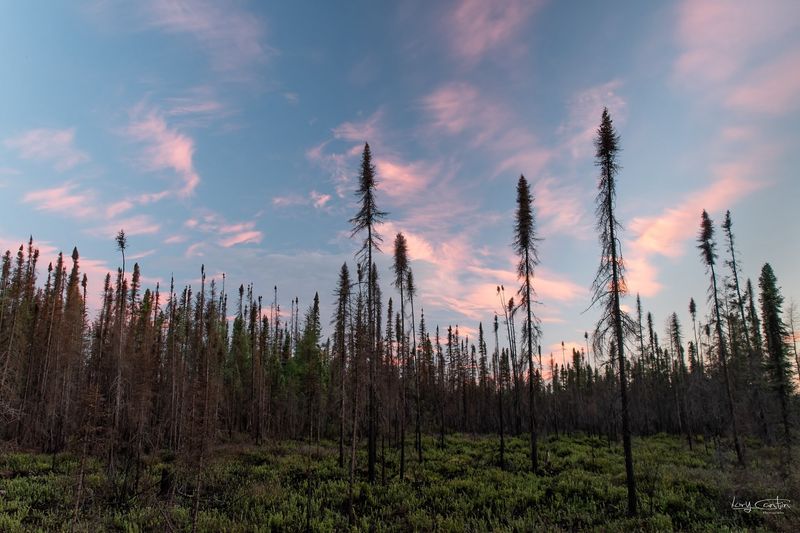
(580, 486)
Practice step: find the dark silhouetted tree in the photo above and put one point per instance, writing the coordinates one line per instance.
(778, 362)
(609, 284)
(707, 247)
(366, 220)
(525, 247)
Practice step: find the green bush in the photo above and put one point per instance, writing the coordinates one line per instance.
(580, 486)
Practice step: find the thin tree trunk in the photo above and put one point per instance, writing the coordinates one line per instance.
(724, 360)
(626, 430)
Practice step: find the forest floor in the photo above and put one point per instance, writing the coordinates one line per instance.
(581, 486)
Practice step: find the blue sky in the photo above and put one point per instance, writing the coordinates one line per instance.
(229, 135)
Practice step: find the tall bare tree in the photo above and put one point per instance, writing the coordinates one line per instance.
(708, 253)
(367, 219)
(609, 284)
(525, 247)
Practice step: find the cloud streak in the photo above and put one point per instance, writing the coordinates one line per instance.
(476, 27)
(728, 47)
(165, 148)
(64, 199)
(668, 233)
(230, 233)
(232, 37)
(459, 109)
(315, 199)
(49, 145)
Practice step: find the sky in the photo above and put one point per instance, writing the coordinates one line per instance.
(229, 134)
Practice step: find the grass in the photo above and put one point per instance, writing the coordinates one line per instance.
(581, 486)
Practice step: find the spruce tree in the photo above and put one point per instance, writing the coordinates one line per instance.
(609, 284)
(400, 268)
(340, 345)
(525, 247)
(707, 247)
(778, 362)
(367, 218)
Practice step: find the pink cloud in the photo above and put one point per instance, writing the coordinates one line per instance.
(585, 107)
(319, 200)
(165, 148)
(641, 275)
(141, 255)
(315, 199)
(242, 237)
(118, 208)
(452, 276)
(420, 249)
(232, 233)
(548, 285)
(236, 228)
(175, 239)
(452, 107)
(737, 133)
(400, 180)
(460, 109)
(721, 40)
(195, 250)
(336, 164)
(447, 255)
(560, 209)
(477, 301)
(232, 37)
(67, 200)
(289, 200)
(773, 89)
(134, 225)
(668, 233)
(367, 130)
(188, 106)
(477, 27)
(55, 146)
(63, 199)
(555, 287)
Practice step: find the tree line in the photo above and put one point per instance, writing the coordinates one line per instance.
(167, 369)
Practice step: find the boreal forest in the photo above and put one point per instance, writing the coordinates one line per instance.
(209, 407)
(385, 267)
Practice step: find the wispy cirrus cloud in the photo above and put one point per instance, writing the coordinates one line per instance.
(315, 199)
(459, 109)
(361, 131)
(165, 148)
(475, 28)
(452, 108)
(241, 237)
(72, 201)
(199, 106)
(744, 53)
(65, 199)
(585, 107)
(773, 89)
(133, 225)
(561, 209)
(338, 163)
(50, 145)
(548, 285)
(232, 37)
(403, 181)
(230, 233)
(668, 233)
